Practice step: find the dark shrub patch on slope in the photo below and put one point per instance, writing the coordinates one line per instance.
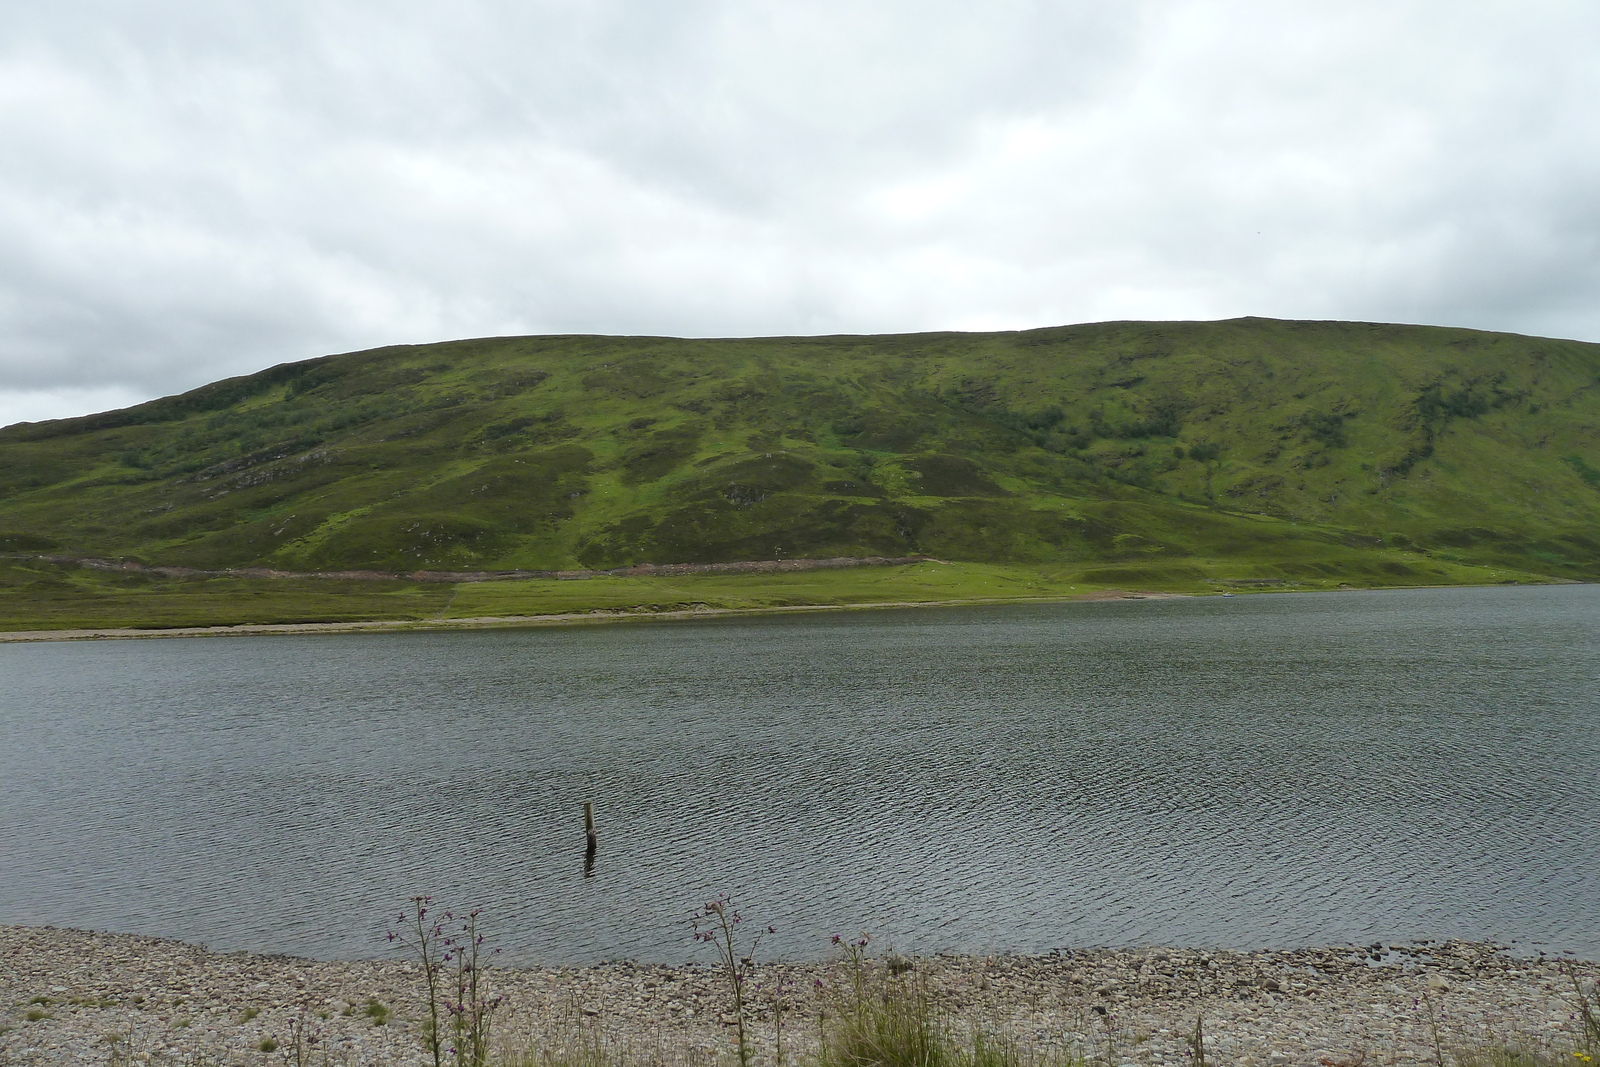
(658, 454)
(463, 522)
(952, 476)
(785, 526)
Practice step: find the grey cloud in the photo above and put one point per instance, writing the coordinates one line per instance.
(200, 189)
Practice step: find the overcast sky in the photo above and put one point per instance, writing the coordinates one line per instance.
(191, 189)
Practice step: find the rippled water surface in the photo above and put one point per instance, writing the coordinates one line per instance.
(1267, 770)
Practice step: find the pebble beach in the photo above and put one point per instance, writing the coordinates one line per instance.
(86, 997)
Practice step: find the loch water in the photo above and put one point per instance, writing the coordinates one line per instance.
(1252, 771)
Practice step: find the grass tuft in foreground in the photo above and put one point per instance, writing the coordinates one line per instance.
(892, 1022)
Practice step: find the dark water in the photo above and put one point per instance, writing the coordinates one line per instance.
(1269, 770)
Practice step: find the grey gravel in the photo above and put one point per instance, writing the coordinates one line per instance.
(117, 998)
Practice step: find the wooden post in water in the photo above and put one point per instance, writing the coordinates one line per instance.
(589, 839)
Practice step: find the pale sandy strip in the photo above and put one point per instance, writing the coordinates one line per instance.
(560, 619)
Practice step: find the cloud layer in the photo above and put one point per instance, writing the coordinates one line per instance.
(197, 189)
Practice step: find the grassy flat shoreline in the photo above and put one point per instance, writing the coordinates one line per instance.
(596, 616)
(43, 601)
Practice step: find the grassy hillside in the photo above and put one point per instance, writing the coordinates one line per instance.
(1155, 454)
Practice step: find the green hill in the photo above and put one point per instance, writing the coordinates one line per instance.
(1157, 455)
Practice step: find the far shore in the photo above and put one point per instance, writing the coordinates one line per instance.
(78, 996)
(573, 618)
(701, 611)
